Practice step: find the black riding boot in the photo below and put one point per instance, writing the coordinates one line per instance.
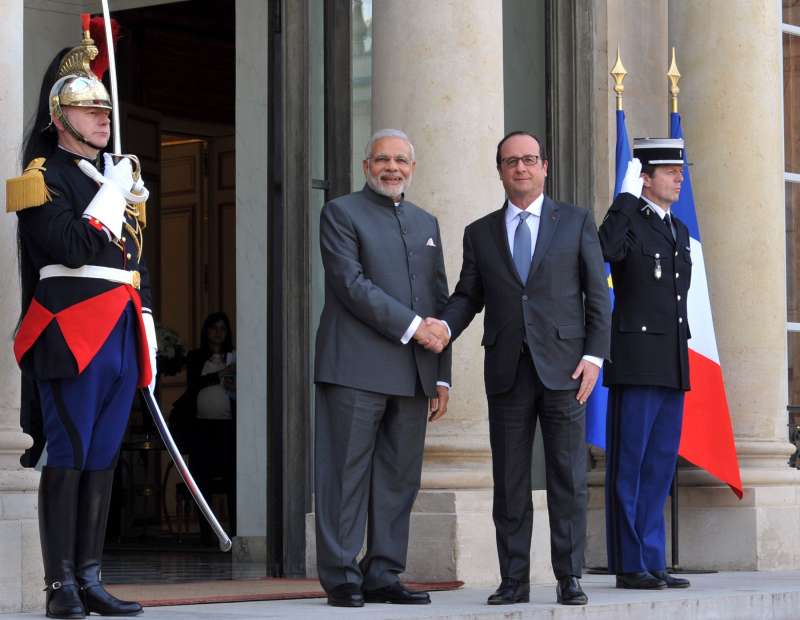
(93, 504)
(58, 507)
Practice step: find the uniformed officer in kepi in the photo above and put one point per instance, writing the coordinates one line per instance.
(86, 338)
(651, 266)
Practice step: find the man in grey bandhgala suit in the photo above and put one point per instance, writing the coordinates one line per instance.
(378, 376)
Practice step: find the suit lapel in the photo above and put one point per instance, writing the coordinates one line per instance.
(548, 221)
(501, 239)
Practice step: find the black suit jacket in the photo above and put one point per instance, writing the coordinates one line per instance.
(649, 328)
(563, 309)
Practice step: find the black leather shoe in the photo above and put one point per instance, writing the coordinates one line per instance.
(510, 591)
(640, 581)
(672, 582)
(569, 592)
(398, 594)
(346, 595)
(93, 502)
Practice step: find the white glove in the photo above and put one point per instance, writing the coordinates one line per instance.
(108, 207)
(120, 173)
(152, 345)
(632, 182)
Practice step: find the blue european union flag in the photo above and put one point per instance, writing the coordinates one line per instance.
(597, 406)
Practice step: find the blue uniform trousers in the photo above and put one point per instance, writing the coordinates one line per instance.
(643, 431)
(85, 417)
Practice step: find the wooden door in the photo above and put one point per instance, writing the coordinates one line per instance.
(221, 229)
(183, 193)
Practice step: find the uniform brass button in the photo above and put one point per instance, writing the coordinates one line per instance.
(677, 275)
(123, 239)
(128, 256)
(679, 297)
(676, 252)
(644, 328)
(680, 319)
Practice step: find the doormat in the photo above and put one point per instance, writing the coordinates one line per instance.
(238, 591)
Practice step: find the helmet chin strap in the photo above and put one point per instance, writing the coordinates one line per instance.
(74, 132)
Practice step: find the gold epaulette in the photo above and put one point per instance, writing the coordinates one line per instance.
(28, 190)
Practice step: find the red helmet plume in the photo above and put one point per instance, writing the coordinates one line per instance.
(98, 33)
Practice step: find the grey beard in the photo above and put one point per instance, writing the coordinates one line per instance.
(377, 187)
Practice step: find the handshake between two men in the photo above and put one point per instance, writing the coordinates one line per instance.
(432, 334)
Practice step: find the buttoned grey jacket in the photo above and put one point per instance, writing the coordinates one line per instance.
(383, 266)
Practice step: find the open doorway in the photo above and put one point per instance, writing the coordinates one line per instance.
(176, 65)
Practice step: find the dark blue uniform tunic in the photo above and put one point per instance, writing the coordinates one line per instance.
(84, 410)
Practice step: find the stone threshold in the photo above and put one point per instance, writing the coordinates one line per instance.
(730, 595)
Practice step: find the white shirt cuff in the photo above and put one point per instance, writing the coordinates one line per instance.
(412, 329)
(449, 333)
(443, 384)
(597, 361)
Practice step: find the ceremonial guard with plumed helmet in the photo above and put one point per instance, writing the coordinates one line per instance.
(86, 338)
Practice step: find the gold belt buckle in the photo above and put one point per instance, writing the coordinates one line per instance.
(136, 280)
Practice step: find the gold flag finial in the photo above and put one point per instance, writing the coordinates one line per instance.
(674, 75)
(618, 73)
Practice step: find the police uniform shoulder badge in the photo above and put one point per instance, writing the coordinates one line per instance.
(28, 189)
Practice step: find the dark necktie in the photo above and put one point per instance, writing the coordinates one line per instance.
(522, 247)
(668, 222)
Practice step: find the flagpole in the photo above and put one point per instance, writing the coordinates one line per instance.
(618, 72)
(674, 76)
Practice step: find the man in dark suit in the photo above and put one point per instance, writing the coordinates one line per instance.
(535, 266)
(648, 371)
(376, 383)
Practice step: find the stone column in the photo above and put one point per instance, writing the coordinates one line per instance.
(21, 565)
(640, 31)
(446, 92)
(251, 280)
(730, 104)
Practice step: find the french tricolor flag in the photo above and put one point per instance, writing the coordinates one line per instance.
(707, 435)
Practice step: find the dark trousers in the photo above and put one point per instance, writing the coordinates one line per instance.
(368, 465)
(642, 437)
(85, 417)
(512, 423)
(212, 455)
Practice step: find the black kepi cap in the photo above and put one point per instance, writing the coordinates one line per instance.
(658, 151)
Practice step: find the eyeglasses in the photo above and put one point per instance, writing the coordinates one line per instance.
(527, 160)
(400, 160)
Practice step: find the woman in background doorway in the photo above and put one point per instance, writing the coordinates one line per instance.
(211, 389)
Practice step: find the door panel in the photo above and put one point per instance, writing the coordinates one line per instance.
(221, 257)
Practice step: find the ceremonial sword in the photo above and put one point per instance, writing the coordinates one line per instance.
(147, 396)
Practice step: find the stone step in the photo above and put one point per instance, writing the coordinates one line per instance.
(722, 596)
